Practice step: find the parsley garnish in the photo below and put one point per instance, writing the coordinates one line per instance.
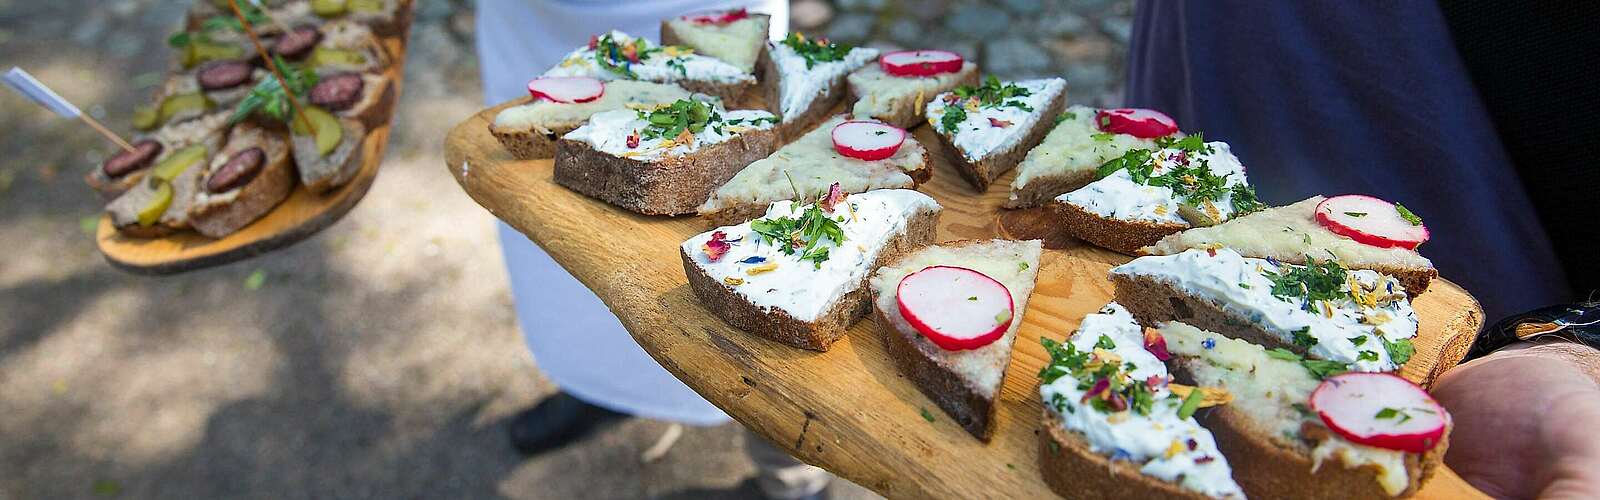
(1244, 200)
(1407, 215)
(805, 234)
(1400, 351)
(268, 97)
(1319, 368)
(1358, 340)
(1303, 338)
(1064, 359)
(994, 94)
(1191, 180)
(1105, 342)
(1190, 403)
(953, 116)
(815, 51)
(670, 121)
(926, 415)
(1313, 282)
(1367, 356)
(1356, 214)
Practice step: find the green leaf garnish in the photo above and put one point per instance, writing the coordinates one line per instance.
(1407, 215)
(1191, 403)
(1105, 342)
(817, 50)
(1400, 351)
(1303, 338)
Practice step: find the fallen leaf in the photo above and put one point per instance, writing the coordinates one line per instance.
(107, 488)
(89, 223)
(255, 280)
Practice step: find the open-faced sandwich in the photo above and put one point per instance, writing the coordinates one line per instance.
(664, 161)
(158, 203)
(124, 169)
(803, 79)
(327, 148)
(1361, 232)
(949, 315)
(347, 47)
(1115, 426)
(1294, 430)
(1148, 194)
(620, 56)
(896, 89)
(561, 104)
(856, 155)
(986, 130)
(1355, 320)
(1083, 139)
(367, 98)
(385, 17)
(178, 100)
(250, 176)
(735, 36)
(799, 274)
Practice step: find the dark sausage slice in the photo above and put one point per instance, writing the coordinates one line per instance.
(297, 44)
(338, 92)
(238, 171)
(224, 75)
(144, 152)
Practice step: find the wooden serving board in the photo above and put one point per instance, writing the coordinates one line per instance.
(849, 410)
(300, 215)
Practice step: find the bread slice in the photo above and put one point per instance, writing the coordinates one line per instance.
(758, 288)
(660, 176)
(811, 165)
(1122, 440)
(1290, 233)
(1124, 212)
(1067, 158)
(1268, 431)
(530, 129)
(996, 132)
(661, 64)
(220, 213)
(900, 101)
(374, 104)
(322, 173)
(965, 383)
(738, 41)
(1363, 322)
(208, 130)
(125, 209)
(802, 91)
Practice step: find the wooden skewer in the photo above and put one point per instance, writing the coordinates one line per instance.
(95, 124)
(299, 114)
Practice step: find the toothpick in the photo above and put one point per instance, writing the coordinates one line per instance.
(31, 88)
(299, 114)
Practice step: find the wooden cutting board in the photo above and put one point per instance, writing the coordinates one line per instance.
(849, 410)
(301, 215)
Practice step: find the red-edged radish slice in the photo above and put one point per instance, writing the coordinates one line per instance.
(920, 62)
(1137, 122)
(567, 89)
(1380, 410)
(1371, 221)
(719, 18)
(867, 140)
(955, 307)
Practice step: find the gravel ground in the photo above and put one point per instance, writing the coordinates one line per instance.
(379, 358)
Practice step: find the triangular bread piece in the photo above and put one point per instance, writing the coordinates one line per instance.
(810, 165)
(1114, 424)
(1290, 233)
(1358, 320)
(987, 129)
(900, 100)
(1148, 194)
(529, 130)
(964, 383)
(803, 78)
(765, 277)
(1068, 158)
(619, 56)
(1269, 431)
(735, 36)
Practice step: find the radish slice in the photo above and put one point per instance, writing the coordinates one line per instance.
(567, 89)
(867, 140)
(1371, 221)
(920, 62)
(719, 18)
(1380, 410)
(1137, 122)
(955, 307)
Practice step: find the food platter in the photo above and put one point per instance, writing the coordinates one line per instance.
(849, 410)
(299, 217)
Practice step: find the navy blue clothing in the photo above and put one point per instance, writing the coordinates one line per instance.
(1338, 97)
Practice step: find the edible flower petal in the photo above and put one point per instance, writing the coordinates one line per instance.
(998, 123)
(834, 197)
(717, 246)
(1156, 344)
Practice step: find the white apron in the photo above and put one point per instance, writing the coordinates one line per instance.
(574, 338)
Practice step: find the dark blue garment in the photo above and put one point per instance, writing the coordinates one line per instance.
(1337, 97)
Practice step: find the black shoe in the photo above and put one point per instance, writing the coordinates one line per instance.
(556, 421)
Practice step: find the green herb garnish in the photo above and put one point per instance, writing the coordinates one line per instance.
(1313, 282)
(804, 235)
(1064, 359)
(994, 94)
(1367, 356)
(1400, 351)
(268, 97)
(619, 56)
(670, 121)
(1191, 403)
(954, 114)
(1358, 340)
(1407, 215)
(815, 51)
(1303, 338)
(1323, 369)
(1105, 342)
(1244, 200)
(926, 415)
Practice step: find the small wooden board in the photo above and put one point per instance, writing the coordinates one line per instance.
(849, 410)
(301, 215)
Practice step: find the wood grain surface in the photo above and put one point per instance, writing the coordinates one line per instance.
(848, 410)
(301, 215)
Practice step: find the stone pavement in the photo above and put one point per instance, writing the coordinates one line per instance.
(379, 358)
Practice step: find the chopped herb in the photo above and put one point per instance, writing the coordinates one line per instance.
(1387, 413)
(1105, 342)
(677, 64)
(1244, 200)
(926, 415)
(815, 51)
(1407, 215)
(805, 234)
(1064, 359)
(1305, 411)
(1323, 369)
(994, 94)
(1303, 338)
(1132, 160)
(1245, 286)
(1356, 214)
(973, 298)
(1313, 282)
(1064, 116)
(1103, 137)
(1283, 354)
(670, 121)
(1022, 266)
(953, 116)
(1358, 340)
(1194, 143)
(1367, 356)
(1400, 351)
(619, 56)
(1191, 403)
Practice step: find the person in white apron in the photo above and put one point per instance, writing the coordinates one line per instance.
(602, 372)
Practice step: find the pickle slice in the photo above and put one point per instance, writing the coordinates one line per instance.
(366, 5)
(323, 56)
(328, 129)
(1196, 216)
(174, 105)
(146, 118)
(328, 8)
(179, 161)
(152, 211)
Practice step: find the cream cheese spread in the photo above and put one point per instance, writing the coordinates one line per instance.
(990, 129)
(613, 131)
(761, 273)
(1120, 196)
(541, 114)
(1289, 230)
(799, 86)
(738, 42)
(658, 64)
(1075, 146)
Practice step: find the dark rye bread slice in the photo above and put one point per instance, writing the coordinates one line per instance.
(1074, 471)
(530, 143)
(1273, 467)
(821, 108)
(322, 173)
(376, 103)
(819, 335)
(669, 186)
(982, 172)
(1118, 235)
(1042, 191)
(1153, 303)
(220, 214)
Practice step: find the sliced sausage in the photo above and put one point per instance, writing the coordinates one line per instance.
(338, 92)
(297, 43)
(224, 75)
(144, 152)
(243, 167)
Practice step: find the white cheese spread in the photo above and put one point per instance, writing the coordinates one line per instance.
(1074, 146)
(799, 86)
(1289, 230)
(540, 115)
(1119, 196)
(612, 131)
(990, 129)
(668, 64)
(738, 42)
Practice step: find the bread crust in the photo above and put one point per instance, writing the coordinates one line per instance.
(982, 172)
(777, 325)
(908, 114)
(324, 173)
(1073, 471)
(531, 143)
(217, 218)
(1117, 235)
(1153, 302)
(670, 186)
(1044, 190)
(375, 107)
(820, 110)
